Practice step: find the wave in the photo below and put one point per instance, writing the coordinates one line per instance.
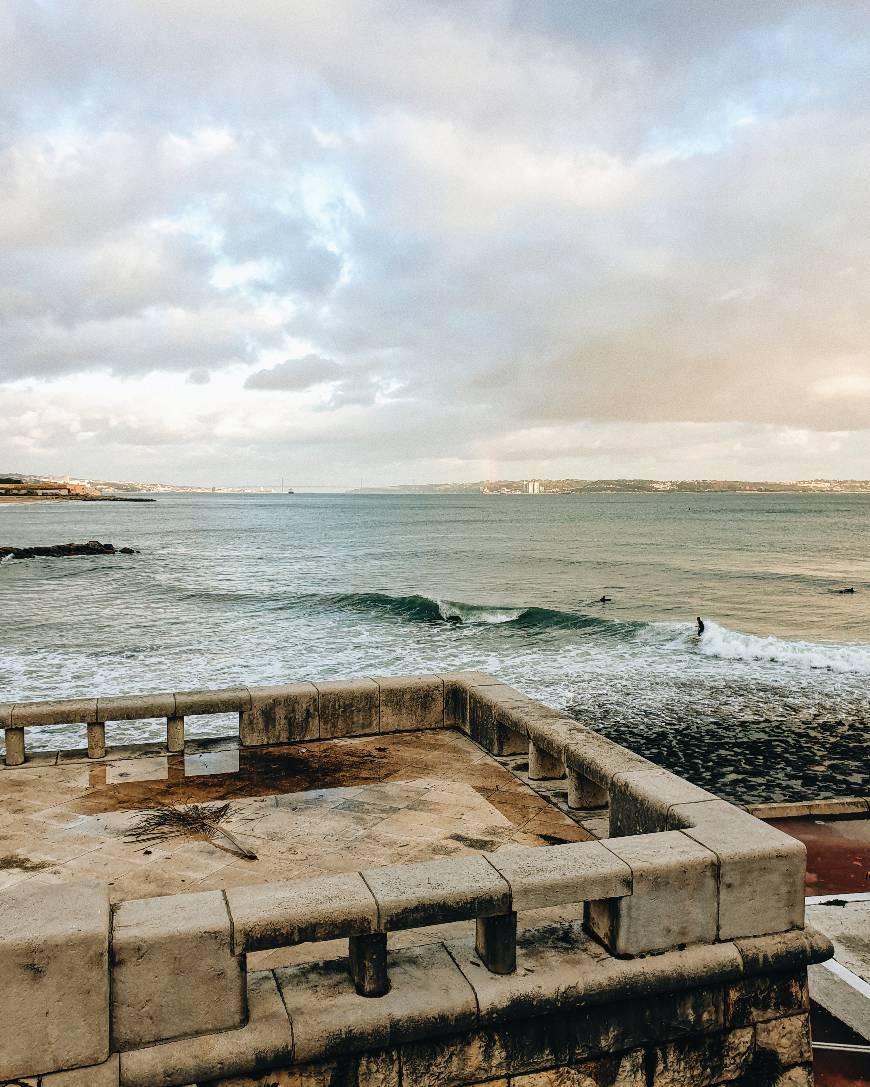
(719, 641)
(431, 609)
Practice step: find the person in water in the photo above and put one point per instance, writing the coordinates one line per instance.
(605, 600)
(700, 626)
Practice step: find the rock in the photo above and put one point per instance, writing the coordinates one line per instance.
(61, 551)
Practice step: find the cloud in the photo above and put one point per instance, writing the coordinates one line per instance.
(295, 375)
(521, 219)
(199, 376)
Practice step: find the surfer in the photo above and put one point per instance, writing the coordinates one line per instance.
(700, 626)
(842, 592)
(605, 599)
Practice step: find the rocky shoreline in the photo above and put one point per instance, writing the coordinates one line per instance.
(67, 550)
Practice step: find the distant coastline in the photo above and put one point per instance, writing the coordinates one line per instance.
(23, 488)
(18, 489)
(630, 486)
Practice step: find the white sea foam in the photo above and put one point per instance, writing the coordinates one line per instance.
(719, 641)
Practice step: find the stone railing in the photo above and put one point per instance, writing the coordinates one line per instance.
(267, 715)
(158, 991)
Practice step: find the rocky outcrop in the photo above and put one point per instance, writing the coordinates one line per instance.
(62, 551)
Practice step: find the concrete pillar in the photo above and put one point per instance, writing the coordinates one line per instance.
(368, 964)
(174, 734)
(496, 942)
(14, 746)
(97, 740)
(585, 793)
(543, 766)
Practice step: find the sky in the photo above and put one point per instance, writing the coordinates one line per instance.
(416, 241)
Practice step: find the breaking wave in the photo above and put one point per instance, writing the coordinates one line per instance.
(430, 609)
(718, 641)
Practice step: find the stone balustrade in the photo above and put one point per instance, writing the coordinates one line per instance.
(687, 891)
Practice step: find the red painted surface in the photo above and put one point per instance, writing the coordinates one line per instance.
(838, 852)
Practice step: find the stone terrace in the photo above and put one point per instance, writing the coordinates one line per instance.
(418, 913)
(305, 810)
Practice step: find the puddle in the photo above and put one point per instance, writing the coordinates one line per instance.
(227, 775)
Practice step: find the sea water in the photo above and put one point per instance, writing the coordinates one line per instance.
(773, 702)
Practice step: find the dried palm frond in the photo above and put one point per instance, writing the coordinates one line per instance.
(190, 821)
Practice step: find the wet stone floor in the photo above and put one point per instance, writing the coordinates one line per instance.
(305, 810)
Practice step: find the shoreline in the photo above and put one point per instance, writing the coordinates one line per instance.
(12, 500)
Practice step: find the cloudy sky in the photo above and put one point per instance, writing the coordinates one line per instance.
(434, 241)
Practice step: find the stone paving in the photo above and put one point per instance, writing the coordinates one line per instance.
(305, 810)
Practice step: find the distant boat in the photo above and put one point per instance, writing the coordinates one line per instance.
(289, 491)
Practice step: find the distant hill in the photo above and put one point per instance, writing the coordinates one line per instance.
(629, 486)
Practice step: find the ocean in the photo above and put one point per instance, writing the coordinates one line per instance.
(772, 703)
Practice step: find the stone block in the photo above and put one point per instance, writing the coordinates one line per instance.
(316, 1074)
(54, 966)
(600, 759)
(761, 870)
(380, 1069)
(367, 962)
(269, 915)
(428, 994)
(562, 874)
(455, 889)
(471, 1058)
(559, 968)
(783, 952)
(625, 1070)
(61, 711)
(699, 1062)
(409, 703)
(96, 1075)
(6, 714)
(543, 766)
(174, 972)
(788, 1038)
(551, 733)
(14, 740)
(175, 734)
(641, 800)
(226, 700)
(673, 900)
(614, 1026)
(801, 1076)
(491, 708)
(280, 715)
(496, 942)
(135, 707)
(584, 793)
(509, 738)
(265, 1041)
(97, 741)
(349, 707)
(455, 700)
(758, 999)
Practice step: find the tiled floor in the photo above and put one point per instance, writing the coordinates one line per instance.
(305, 811)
